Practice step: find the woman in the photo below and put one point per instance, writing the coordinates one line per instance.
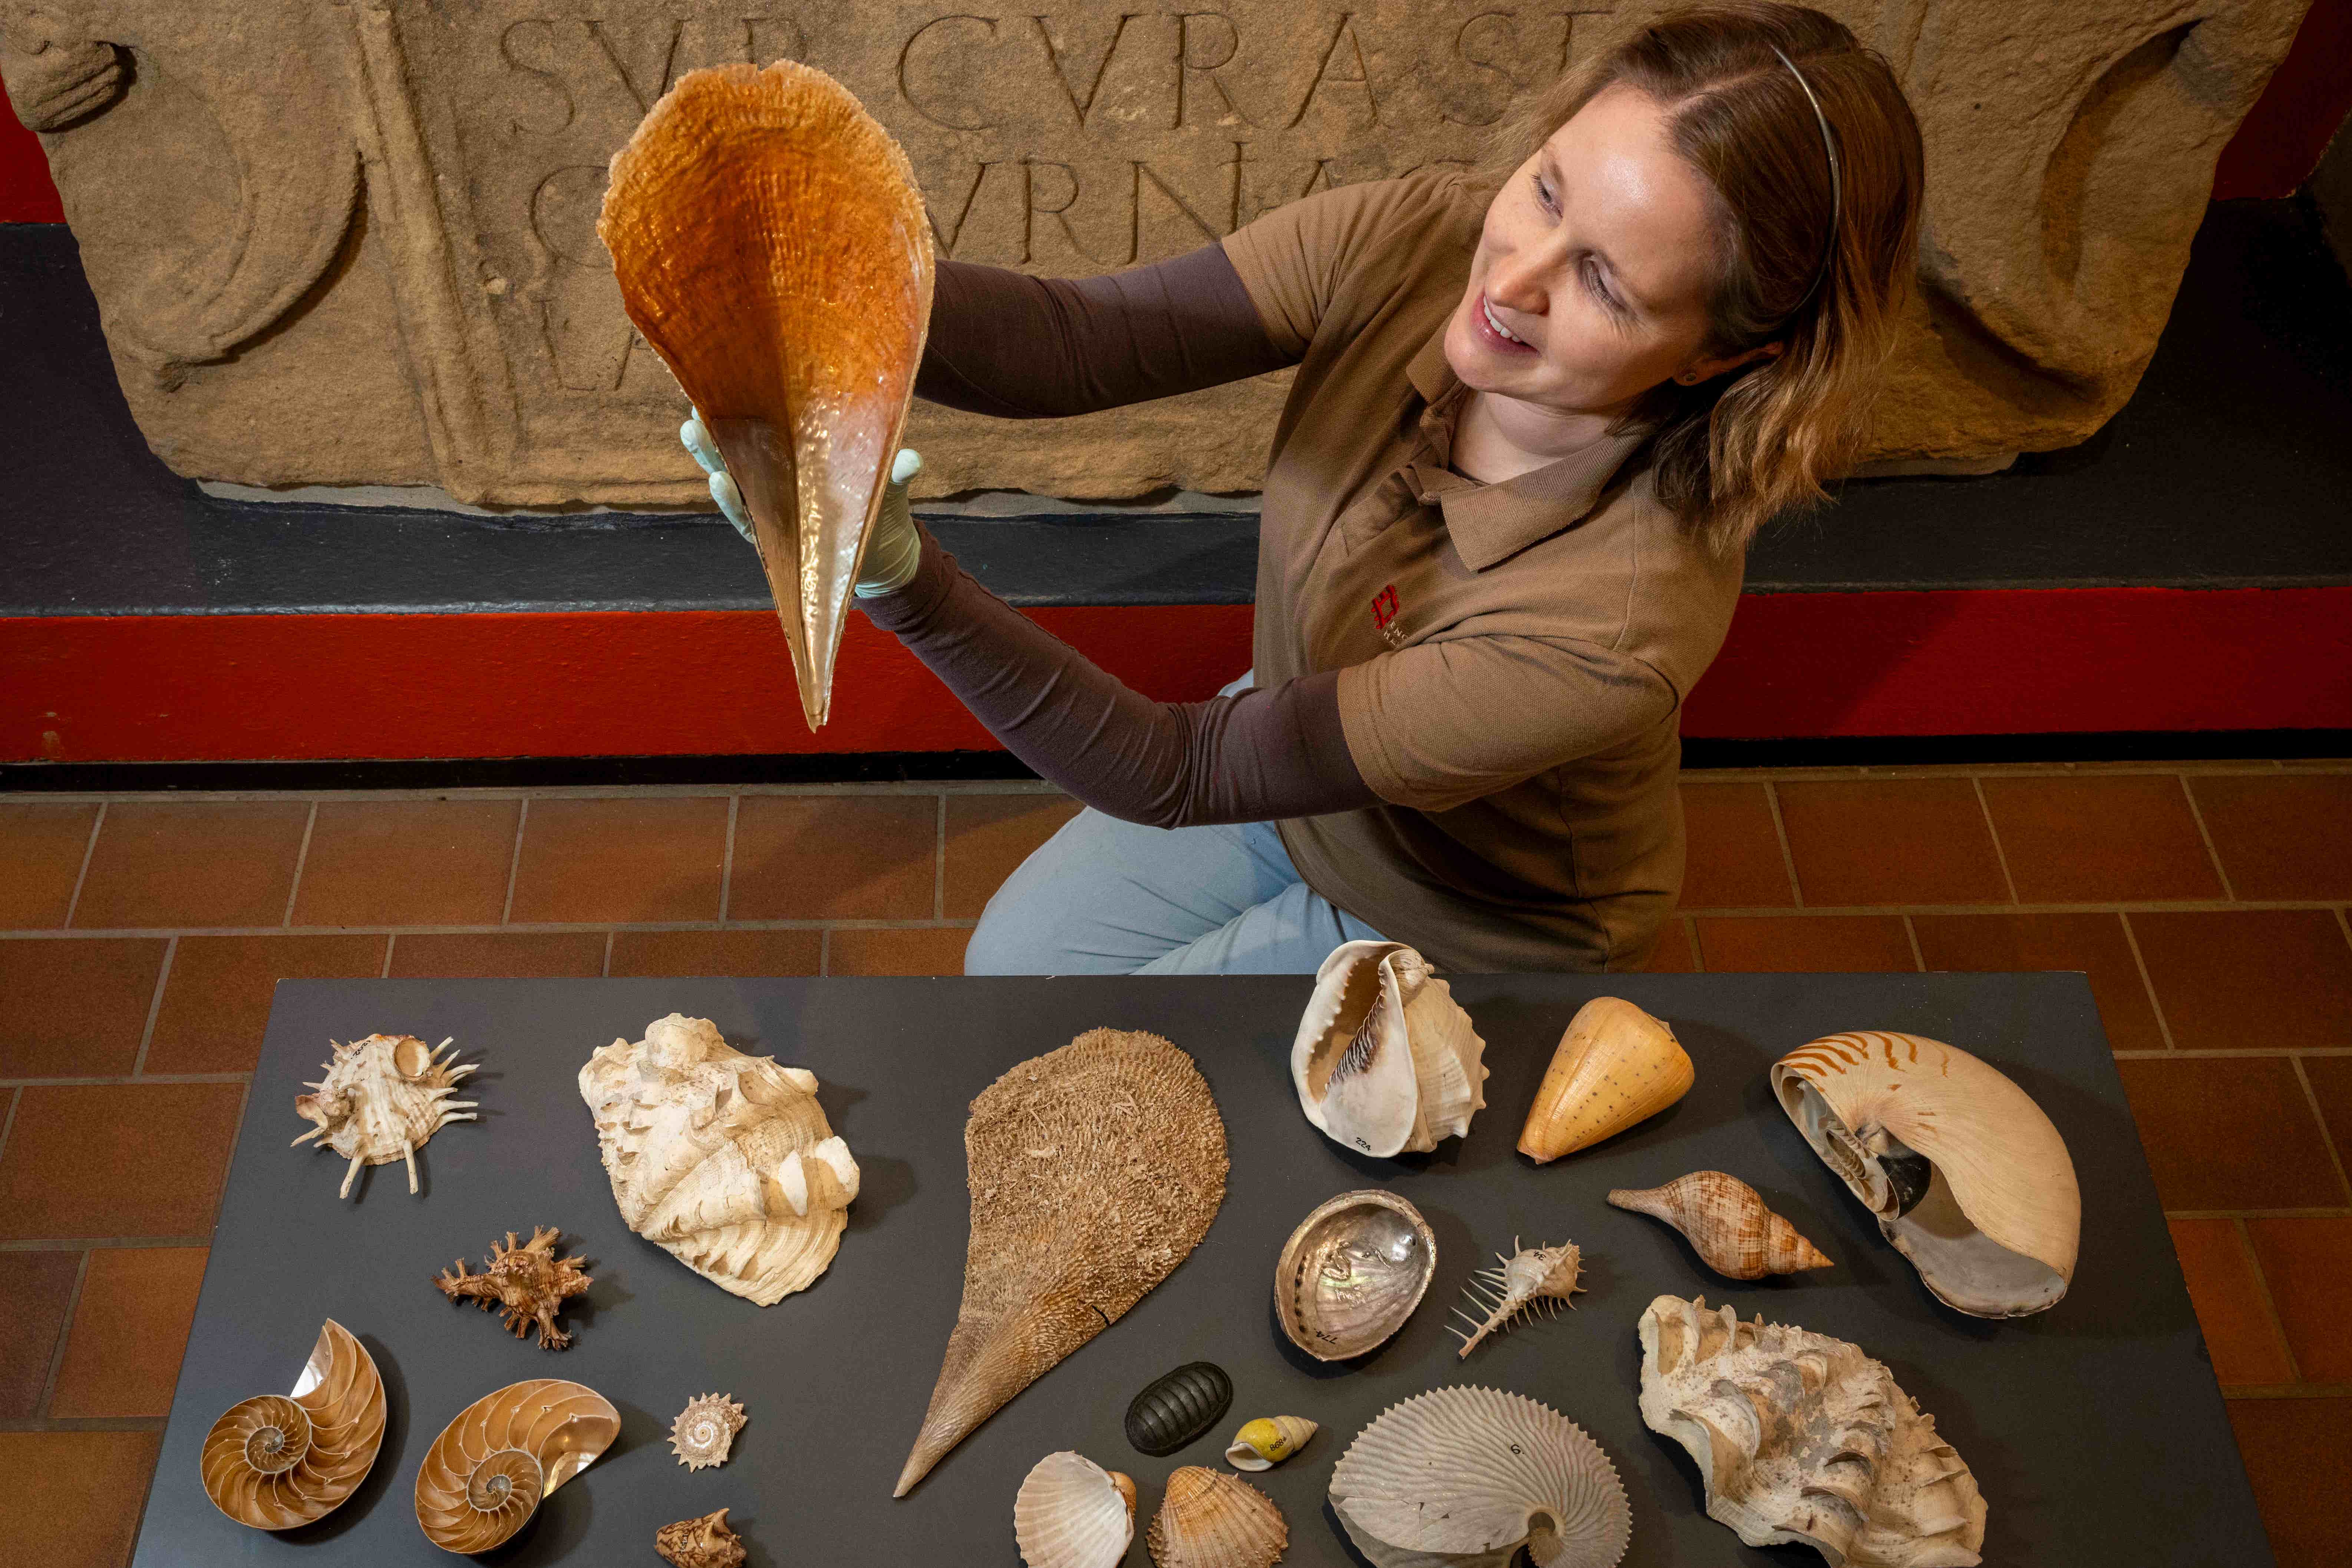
(1539, 411)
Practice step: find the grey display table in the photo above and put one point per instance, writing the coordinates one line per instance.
(2095, 1430)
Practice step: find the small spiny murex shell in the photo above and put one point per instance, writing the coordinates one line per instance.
(382, 1097)
(1266, 1442)
(1530, 1277)
(704, 1542)
(1210, 1519)
(705, 1430)
(529, 1283)
(1469, 1476)
(275, 1463)
(1174, 1409)
(488, 1471)
(1073, 1513)
(1727, 1225)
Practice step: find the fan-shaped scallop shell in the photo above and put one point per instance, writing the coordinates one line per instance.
(1210, 1519)
(1385, 1062)
(770, 245)
(488, 1471)
(1072, 1513)
(1352, 1273)
(725, 1161)
(1173, 1409)
(1469, 1474)
(275, 1463)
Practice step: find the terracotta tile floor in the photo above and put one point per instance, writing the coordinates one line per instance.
(139, 939)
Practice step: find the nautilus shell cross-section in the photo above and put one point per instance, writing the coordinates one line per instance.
(771, 246)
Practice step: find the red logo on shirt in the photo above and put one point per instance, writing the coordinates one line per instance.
(1384, 607)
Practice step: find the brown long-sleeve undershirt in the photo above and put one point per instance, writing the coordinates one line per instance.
(1007, 344)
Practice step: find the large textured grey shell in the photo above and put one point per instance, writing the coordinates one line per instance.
(1174, 1410)
(1094, 1171)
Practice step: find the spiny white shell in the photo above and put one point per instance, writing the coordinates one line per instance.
(723, 1159)
(1469, 1474)
(1385, 1060)
(704, 1432)
(1530, 1277)
(1803, 1439)
(1994, 1223)
(1071, 1514)
(1210, 1519)
(381, 1099)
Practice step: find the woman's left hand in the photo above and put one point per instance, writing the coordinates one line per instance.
(896, 547)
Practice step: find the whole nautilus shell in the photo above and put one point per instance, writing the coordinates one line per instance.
(487, 1472)
(1352, 1273)
(275, 1463)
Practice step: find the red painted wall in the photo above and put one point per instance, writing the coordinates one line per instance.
(26, 194)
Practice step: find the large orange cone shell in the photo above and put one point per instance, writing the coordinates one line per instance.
(771, 246)
(1615, 1065)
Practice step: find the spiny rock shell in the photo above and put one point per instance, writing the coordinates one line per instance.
(381, 1099)
(528, 1284)
(1095, 1170)
(1614, 1067)
(488, 1471)
(1266, 1442)
(705, 1431)
(1210, 1519)
(725, 1161)
(1802, 1438)
(1469, 1474)
(276, 1463)
(1529, 1278)
(770, 245)
(1966, 1176)
(1385, 1060)
(1072, 1513)
(1727, 1223)
(1352, 1273)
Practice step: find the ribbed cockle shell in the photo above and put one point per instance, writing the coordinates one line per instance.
(771, 246)
(1210, 1519)
(1073, 1513)
(1615, 1065)
(276, 1463)
(1385, 1060)
(1726, 1223)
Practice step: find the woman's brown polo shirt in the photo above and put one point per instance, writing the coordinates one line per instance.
(1514, 657)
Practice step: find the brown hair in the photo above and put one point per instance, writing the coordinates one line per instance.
(1739, 448)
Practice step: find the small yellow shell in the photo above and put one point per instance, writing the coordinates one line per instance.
(1267, 1441)
(1615, 1065)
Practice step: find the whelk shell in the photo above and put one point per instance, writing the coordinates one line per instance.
(1469, 1476)
(276, 1463)
(1266, 1442)
(1727, 1225)
(1174, 1409)
(1530, 1277)
(1803, 1439)
(1352, 1273)
(723, 1159)
(1095, 1170)
(1210, 1519)
(1968, 1177)
(1072, 1513)
(381, 1099)
(1385, 1060)
(771, 246)
(705, 1431)
(1614, 1067)
(485, 1473)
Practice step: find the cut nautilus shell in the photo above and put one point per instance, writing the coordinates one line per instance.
(1072, 1513)
(1210, 1519)
(1727, 1223)
(1469, 1476)
(725, 1161)
(485, 1474)
(1385, 1060)
(381, 1099)
(771, 246)
(1966, 1175)
(1352, 1273)
(275, 1463)
(1266, 1442)
(1803, 1439)
(1614, 1067)
(1531, 1277)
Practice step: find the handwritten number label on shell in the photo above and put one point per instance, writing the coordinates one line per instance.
(1175, 1410)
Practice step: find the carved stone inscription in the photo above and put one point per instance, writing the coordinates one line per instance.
(382, 264)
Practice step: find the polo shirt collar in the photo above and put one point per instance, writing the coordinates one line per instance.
(1492, 522)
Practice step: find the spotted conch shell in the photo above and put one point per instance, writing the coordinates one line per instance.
(1727, 1223)
(382, 1098)
(1095, 1170)
(1072, 1513)
(1468, 1476)
(1614, 1067)
(276, 1463)
(1385, 1060)
(1803, 1439)
(487, 1473)
(723, 1159)
(1968, 1177)
(1210, 1519)
(771, 246)
(1531, 1278)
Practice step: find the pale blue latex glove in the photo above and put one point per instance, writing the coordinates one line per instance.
(896, 547)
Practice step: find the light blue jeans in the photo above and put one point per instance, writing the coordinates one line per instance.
(1106, 896)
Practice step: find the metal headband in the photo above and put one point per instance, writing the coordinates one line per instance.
(1829, 145)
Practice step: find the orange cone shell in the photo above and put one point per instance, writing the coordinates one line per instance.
(1615, 1065)
(771, 246)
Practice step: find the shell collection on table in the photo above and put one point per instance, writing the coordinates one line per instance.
(726, 1160)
